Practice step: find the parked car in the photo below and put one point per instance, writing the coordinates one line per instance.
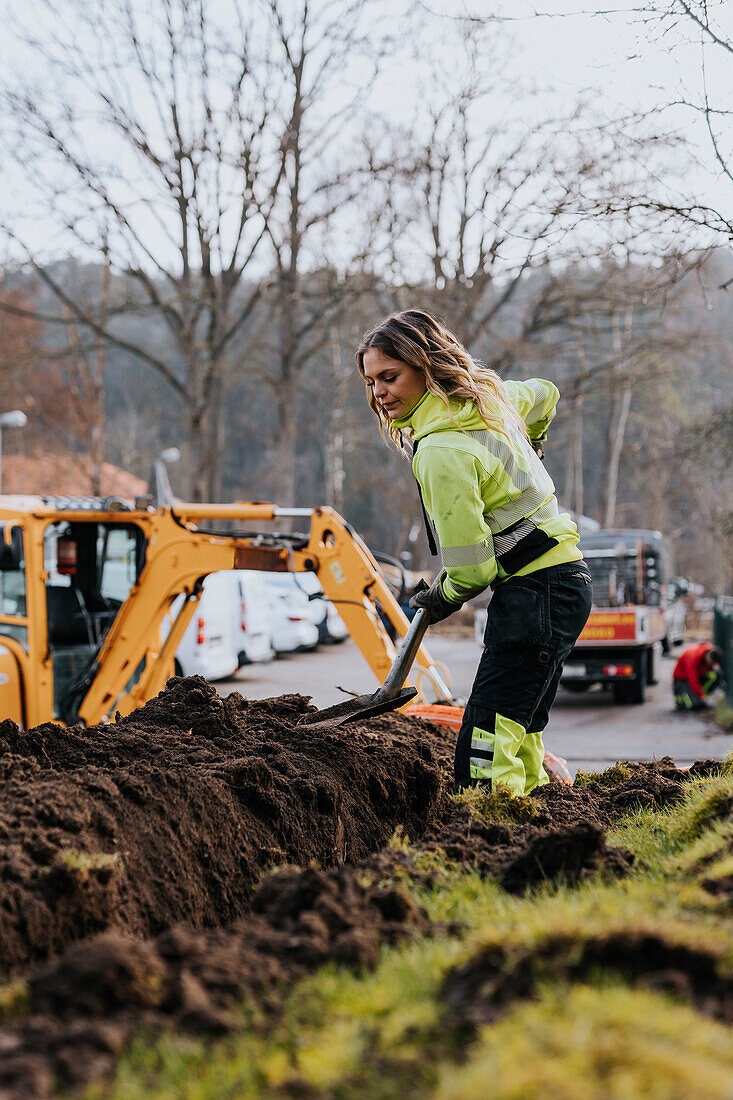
(291, 627)
(209, 646)
(331, 627)
(253, 615)
(336, 628)
(308, 593)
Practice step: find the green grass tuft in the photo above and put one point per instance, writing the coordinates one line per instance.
(596, 1044)
(499, 806)
(13, 1000)
(85, 862)
(706, 804)
(612, 777)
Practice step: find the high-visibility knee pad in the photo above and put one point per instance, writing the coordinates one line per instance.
(532, 754)
(494, 755)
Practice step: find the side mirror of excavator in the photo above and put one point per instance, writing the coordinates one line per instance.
(11, 549)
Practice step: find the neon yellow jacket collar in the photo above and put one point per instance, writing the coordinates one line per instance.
(431, 415)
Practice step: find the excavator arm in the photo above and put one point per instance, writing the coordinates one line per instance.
(133, 663)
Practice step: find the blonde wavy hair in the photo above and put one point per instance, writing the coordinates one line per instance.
(429, 347)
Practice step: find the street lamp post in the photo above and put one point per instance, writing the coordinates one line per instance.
(163, 491)
(16, 418)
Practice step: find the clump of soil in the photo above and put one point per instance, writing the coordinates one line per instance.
(523, 857)
(85, 1004)
(173, 813)
(654, 784)
(563, 838)
(566, 855)
(497, 976)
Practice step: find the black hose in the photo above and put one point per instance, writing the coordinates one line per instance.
(387, 559)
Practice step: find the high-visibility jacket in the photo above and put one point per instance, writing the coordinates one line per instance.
(489, 496)
(690, 667)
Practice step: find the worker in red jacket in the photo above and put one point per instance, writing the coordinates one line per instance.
(695, 676)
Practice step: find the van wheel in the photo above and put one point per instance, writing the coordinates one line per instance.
(177, 670)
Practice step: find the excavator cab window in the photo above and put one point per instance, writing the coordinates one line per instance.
(12, 584)
(91, 568)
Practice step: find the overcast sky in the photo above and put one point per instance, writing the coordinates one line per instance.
(569, 49)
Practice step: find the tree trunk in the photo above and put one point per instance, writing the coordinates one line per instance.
(214, 438)
(96, 441)
(617, 431)
(194, 457)
(576, 457)
(285, 475)
(335, 442)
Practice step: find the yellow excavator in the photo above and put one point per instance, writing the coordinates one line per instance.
(96, 594)
(72, 651)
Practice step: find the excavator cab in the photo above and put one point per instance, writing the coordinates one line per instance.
(13, 619)
(91, 567)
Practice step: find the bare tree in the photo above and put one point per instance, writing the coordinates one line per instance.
(482, 213)
(706, 27)
(202, 140)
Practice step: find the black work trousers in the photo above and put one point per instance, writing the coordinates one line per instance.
(533, 623)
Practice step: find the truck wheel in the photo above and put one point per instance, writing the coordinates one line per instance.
(633, 692)
(638, 688)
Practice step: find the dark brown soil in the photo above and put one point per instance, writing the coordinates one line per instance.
(564, 840)
(477, 992)
(147, 840)
(85, 1004)
(172, 814)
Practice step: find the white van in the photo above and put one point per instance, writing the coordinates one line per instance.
(305, 590)
(291, 614)
(208, 648)
(254, 620)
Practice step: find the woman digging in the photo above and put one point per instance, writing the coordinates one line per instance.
(474, 441)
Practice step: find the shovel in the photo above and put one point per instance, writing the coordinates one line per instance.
(389, 696)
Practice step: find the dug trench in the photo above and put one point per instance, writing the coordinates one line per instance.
(132, 858)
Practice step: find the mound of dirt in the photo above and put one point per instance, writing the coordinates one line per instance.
(85, 1005)
(563, 840)
(566, 855)
(488, 984)
(654, 784)
(147, 839)
(173, 813)
(523, 857)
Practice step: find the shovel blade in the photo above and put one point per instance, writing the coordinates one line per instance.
(352, 710)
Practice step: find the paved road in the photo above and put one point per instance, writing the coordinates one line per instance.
(588, 730)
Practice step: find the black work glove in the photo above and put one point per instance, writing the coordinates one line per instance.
(538, 446)
(433, 600)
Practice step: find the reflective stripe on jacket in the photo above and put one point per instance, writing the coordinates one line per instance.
(490, 498)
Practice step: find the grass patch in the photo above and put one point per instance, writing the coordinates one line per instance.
(706, 804)
(13, 1000)
(589, 1029)
(612, 777)
(500, 806)
(596, 1044)
(87, 862)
